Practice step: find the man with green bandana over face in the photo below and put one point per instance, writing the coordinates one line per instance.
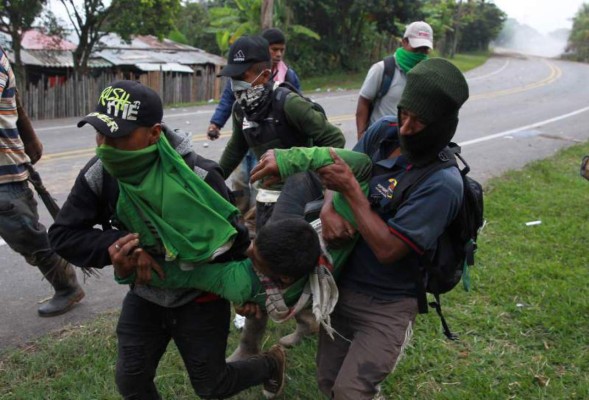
(158, 202)
(415, 46)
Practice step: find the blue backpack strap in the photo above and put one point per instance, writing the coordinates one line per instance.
(387, 76)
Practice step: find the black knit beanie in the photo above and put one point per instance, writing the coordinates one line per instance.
(435, 89)
(274, 36)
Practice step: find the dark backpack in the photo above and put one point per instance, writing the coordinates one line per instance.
(386, 81)
(387, 77)
(289, 136)
(282, 91)
(280, 94)
(443, 270)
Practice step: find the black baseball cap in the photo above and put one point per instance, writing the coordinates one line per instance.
(123, 107)
(245, 52)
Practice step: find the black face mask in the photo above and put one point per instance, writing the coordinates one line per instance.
(423, 147)
(257, 109)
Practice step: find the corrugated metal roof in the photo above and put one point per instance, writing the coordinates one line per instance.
(150, 49)
(57, 59)
(174, 67)
(112, 50)
(35, 40)
(112, 40)
(134, 56)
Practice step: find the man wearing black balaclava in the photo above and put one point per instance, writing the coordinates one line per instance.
(378, 294)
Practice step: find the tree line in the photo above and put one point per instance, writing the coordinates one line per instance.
(327, 35)
(345, 35)
(578, 45)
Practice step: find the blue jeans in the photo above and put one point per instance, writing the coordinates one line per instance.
(20, 227)
(200, 332)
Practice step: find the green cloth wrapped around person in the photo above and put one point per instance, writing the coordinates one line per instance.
(237, 281)
(157, 192)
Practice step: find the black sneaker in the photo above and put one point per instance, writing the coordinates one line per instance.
(273, 387)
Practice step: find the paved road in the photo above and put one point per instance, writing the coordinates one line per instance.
(520, 109)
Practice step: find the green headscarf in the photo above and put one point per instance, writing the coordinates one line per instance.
(167, 204)
(408, 59)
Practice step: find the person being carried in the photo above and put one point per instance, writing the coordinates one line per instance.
(19, 219)
(285, 251)
(266, 116)
(380, 93)
(146, 178)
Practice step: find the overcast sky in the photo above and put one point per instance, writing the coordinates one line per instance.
(543, 15)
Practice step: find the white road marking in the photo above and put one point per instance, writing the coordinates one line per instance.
(500, 134)
(521, 128)
(497, 71)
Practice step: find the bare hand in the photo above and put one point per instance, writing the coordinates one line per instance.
(266, 169)
(248, 310)
(127, 257)
(213, 132)
(337, 176)
(335, 229)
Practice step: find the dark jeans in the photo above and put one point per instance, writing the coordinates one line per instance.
(200, 332)
(20, 227)
(298, 190)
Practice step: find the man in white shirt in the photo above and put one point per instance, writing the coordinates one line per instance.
(376, 101)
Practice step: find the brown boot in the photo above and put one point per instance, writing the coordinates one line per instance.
(68, 292)
(250, 341)
(275, 385)
(307, 325)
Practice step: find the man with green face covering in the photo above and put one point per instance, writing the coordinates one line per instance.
(380, 93)
(146, 200)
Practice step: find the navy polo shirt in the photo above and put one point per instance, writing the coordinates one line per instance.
(419, 222)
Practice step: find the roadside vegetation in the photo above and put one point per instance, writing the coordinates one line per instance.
(345, 80)
(523, 327)
(353, 80)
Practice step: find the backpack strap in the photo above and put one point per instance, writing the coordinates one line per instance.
(289, 137)
(406, 186)
(390, 65)
(437, 305)
(416, 176)
(288, 85)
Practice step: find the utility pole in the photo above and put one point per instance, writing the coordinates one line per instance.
(267, 13)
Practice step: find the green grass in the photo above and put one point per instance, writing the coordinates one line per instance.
(523, 328)
(466, 62)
